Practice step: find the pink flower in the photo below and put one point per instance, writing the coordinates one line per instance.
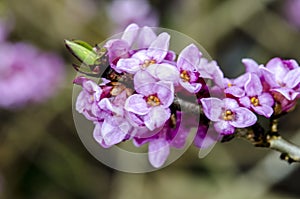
(255, 99)
(187, 63)
(155, 54)
(27, 74)
(151, 105)
(161, 143)
(227, 114)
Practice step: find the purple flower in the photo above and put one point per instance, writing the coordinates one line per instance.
(227, 114)
(187, 63)
(259, 101)
(283, 76)
(88, 99)
(119, 48)
(151, 104)
(27, 75)
(113, 128)
(162, 141)
(125, 12)
(211, 70)
(155, 54)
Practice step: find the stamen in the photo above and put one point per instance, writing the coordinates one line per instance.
(228, 115)
(148, 62)
(185, 76)
(153, 100)
(254, 101)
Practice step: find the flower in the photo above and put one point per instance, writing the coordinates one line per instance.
(124, 12)
(113, 127)
(160, 143)
(155, 54)
(211, 70)
(227, 114)
(283, 77)
(120, 48)
(27, 75)
(88, 99)
(187, 64)
(151, 104)
(259, 101)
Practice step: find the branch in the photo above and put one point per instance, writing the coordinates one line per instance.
(289, 151)
(256, 135)
(187, 106)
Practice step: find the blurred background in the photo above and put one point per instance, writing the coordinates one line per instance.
(41, 155)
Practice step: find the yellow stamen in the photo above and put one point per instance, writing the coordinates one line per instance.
(228, 115)
(153, 100)
(229, 85)
(148, 62)
(254, 101)
(185, 76)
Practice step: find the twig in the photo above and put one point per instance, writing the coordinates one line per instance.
(289, 151)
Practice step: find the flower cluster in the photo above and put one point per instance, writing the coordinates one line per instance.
(26, 74)
(137, 98)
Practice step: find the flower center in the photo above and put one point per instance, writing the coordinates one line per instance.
(228, 115)
(153, 100)
(229, 85)
(254, 101)
(148, 62)
(185, 76)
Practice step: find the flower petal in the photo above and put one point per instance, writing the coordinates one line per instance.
(224, 127)
(235, 91)
(158, 152)
(212, 108)
(129, 65)
(191, 87)
(136, 104)
(243, 117)
(114, 130)
(230, 103)
(143, 77)
(245, 101)
(165, 93)
(189, 58)
(146, 37)
(159, 47)
(250, 65)
(276, 65)
(165, 72)
(130, 33)
(266, 99)
(269, 77)
(98, 135)
(253, 86)
(264, 110)
(156, 117)
(292, 78)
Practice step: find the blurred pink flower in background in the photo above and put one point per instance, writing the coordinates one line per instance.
(125, 12)
(27, 75)
(292, 12)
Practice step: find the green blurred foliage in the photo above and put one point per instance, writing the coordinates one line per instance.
(41, 155)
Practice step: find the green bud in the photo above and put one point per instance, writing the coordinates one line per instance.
(82, 51)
